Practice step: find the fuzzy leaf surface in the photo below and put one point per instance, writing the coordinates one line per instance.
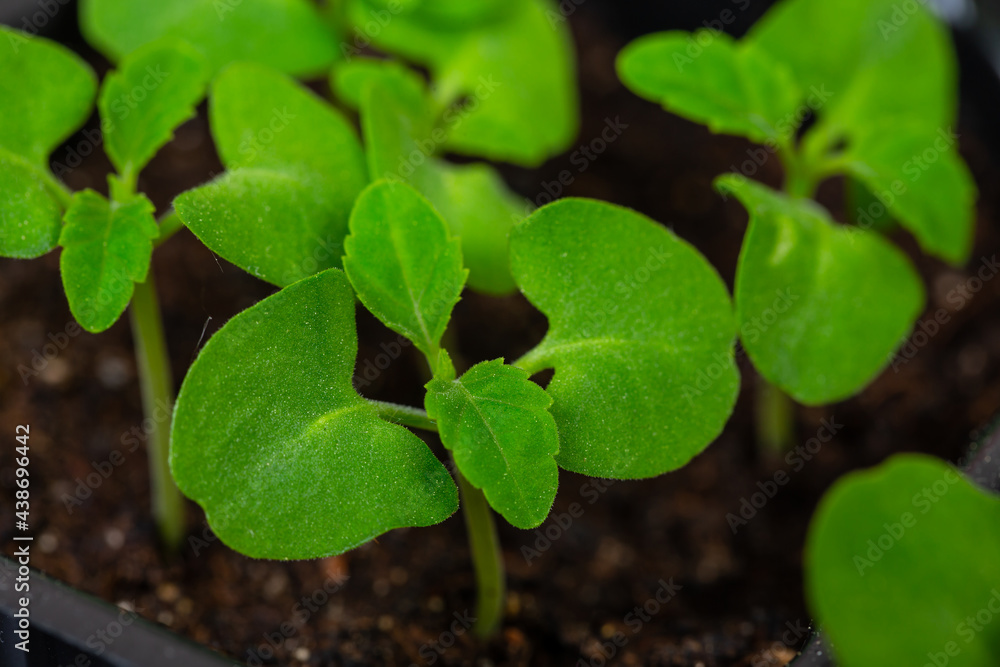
(154, 90)
(272, 440)
(402, 262)
(288, 35)
(637, 321)
(900, 560)
(497, 425)
(821, 306)
(295, 168)
(30, 214)
(107, 247)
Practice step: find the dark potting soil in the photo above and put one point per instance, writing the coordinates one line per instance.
(585, 586)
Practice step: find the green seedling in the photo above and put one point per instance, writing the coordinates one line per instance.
(880, 91)
(299, 190)
(903, 567)
(289, 461)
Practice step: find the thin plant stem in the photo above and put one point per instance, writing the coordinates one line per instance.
(157, 403)
(170, 224)
(486, 558)
(404, 415)
(775, 418)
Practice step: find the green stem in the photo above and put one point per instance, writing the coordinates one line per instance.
(170, 224)
(775, 418)
(404, 415)
(57, 187)
(157, 404)
(486, 558)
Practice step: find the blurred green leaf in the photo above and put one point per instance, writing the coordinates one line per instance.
(402, 144)
(903, 567)
(640, 336)
(821, 306)
(496, 423)
(46, 93)
(282, 211)
(288, 35)
(107, 247)
(510, 69)
(271, 439)
(155, 89)
(708, 77)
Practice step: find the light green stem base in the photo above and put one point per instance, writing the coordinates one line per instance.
(775, 418)
(486, 557)
(157, 405)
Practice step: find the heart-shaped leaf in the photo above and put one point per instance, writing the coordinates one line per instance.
(155, 89)
(271, 439)
(903, 567)
(640, 336)
(403, 264)
(107, 247)
(516, 67)
(497, 425)
(288, 35)
(473, 199)
(282, 211)
(708, 77)
(821, 306)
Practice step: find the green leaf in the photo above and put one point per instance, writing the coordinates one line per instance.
(511, 69)
(731, 87)
(640, 336)
(351, 78)
(473, 199)
(923, 182)
(455, 14)
(821, 306)
(903, 567)
(107, 247)
(288, 35)
(271, 439)
(403, 264)
(282, 211)
(46, 93)
(878, 60)
(30, 215)
(496, 423)
(155, 89)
